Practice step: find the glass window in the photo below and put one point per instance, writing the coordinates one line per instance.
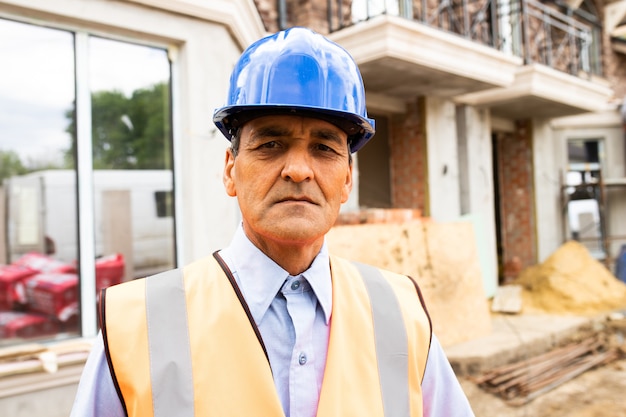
(132, 185)
(131, 142)
(38, 246)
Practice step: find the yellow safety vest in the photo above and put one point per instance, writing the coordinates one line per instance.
(182, 343)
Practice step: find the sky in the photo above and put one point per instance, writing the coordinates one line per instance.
(37, 83)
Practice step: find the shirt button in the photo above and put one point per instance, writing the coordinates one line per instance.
(302, 359)
(295, 285)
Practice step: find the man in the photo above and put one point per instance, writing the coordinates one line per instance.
(273, 325)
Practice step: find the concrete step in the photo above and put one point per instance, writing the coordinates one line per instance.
(518, 337)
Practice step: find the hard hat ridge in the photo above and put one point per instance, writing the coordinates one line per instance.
(297, 71)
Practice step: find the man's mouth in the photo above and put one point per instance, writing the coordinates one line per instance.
(296, 199)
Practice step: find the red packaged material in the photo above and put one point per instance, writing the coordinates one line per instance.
(51, 293)
(69, 319)
(25, 325)
(109, 271)
(10, 278)
(43, 263)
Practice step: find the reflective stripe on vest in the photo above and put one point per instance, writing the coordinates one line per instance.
(391, 344)
(168, 337)
(175, 347)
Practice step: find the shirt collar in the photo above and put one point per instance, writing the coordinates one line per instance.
(260, 278)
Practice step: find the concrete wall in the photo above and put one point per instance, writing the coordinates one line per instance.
(209, 216)
(50, 402)
(39, 394)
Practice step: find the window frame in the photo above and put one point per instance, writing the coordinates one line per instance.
(84, 159)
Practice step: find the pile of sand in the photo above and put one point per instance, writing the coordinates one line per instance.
(571, 281)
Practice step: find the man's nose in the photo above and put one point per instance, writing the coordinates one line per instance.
(297, 166)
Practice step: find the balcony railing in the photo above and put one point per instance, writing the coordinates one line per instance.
(525, 28)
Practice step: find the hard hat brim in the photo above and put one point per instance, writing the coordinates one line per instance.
(359, 129)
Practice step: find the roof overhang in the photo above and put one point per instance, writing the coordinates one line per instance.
(540, 91)
(403, 59)
(614, 15)
(619, 45)
(618, 39)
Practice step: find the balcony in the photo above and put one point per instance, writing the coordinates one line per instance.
(518, 57)
(403, 59)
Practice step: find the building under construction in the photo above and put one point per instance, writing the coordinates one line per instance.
(509, 113)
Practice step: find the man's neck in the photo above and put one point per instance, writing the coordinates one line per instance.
(295, 258)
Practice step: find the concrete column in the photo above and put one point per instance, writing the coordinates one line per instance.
(443, 164)
(547, 186)
(476, 187)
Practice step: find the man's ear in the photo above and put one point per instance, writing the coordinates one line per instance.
(228, 176)
(347, 186)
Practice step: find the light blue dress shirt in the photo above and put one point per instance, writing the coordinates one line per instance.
(292, 314)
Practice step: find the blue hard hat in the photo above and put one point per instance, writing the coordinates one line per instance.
(300, 72)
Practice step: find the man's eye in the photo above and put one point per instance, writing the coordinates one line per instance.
(269, 145)
(323, 147)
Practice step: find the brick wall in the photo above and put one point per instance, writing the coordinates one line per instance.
(308, 13)
(614, 64)
(268, 11)
(516, 201)
(407, 143)
(614, 69)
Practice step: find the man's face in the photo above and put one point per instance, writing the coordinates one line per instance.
(290, 177)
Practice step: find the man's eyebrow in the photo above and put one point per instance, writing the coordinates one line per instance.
(328, 134)
(271, 131)
(279, 131)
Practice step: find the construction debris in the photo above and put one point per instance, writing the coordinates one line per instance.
(521, 382)
(571, 281)
(36, 357)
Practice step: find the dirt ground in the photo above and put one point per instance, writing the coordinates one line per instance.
(600, 392)
(568, 282)
(445, 263)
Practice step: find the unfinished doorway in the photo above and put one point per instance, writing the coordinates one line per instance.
(374, 168)
(514, 201)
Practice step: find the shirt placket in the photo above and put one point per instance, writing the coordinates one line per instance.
(303, 391)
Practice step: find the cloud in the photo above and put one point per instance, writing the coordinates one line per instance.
(125, 67)
(38, 86)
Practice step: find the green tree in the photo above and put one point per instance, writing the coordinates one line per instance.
(10, 165)
(128, 132)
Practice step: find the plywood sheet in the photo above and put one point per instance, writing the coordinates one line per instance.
(441, 257)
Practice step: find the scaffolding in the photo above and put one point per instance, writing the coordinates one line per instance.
(592, 228)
